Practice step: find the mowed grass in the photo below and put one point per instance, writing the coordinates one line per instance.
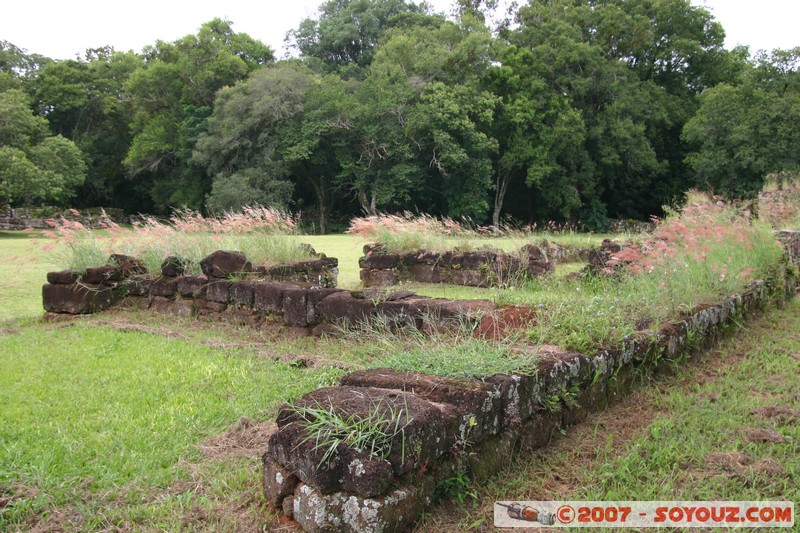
(23, 266)
(89, 414)
(725, 427)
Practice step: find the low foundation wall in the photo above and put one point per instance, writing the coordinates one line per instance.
(482, 268)
(446, 428)
(301, 298)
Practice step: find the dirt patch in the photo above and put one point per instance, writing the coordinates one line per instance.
(247, 438)
(742, 465)
(12, 492)
(762, 436)
(782, 414)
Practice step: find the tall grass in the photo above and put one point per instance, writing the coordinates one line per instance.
(407, 232)
(699, 255)
(266, 236)
(779, 202)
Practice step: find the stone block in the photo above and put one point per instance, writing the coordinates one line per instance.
(223, 264)
(478, 404)
(76, 299)
(315, 296)
(277, 481)
(102, 274)
(295, 306)
(268, 297)
(379, 278)
(192, 286)
(428, 431)
(63, 277)
(379, 261)
(425, 273)
(218, 290)
(136, 285)
(395, 511)
(242, 293)
(343, 308)
(166, 287)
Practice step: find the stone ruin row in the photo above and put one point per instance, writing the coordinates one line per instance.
(300, 298)
(453, 427)
(479, 268)
(466, 428)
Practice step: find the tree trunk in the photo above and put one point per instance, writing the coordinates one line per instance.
(319, 191)
(499, 197)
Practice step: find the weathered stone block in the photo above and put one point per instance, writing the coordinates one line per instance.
(278, 482)
(396, 511)
(537, 431)
(478, 404)
(506, 321)
(314, 297)
(136, 285)
(379, 278)
(268, 297)
(295, 306)
(166, 287)
(242, 294)
(218, 291)
(223, 264)
(428, 431)
(102, 274)
(342, 307)
(76, 299)
(477, 260)
(63, 277)
(379, 261)
(426, 273)
(192, 286)
(470, 278)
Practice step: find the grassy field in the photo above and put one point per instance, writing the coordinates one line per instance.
(124, 420)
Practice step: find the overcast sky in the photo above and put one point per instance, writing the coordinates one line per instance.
(63, 29)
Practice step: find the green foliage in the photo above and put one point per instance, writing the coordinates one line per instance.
(745, 132)
(34, 167)
(346, 32)
(457, 487)
(173, 93)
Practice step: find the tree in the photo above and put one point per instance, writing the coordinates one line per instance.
(243, 145)
(83, 100)
(346, 32)
(173, 95)
(34, 165)
(744, 132)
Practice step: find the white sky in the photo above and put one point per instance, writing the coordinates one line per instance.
(62, 29)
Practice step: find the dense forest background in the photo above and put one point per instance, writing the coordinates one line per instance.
(576, 111)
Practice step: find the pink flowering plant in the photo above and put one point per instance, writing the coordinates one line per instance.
(700, 254)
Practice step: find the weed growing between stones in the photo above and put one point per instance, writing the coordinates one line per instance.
(373, 434)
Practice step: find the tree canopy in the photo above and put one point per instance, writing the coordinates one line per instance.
(569, 110)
